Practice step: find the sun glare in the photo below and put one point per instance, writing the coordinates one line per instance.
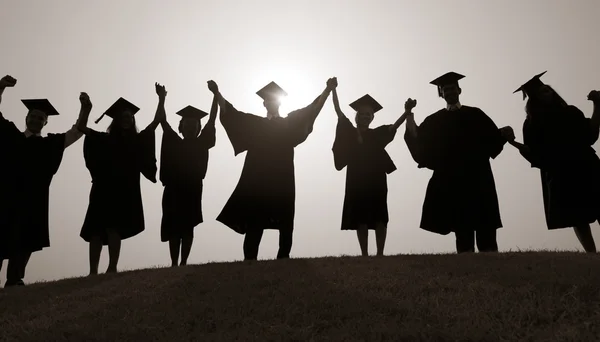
(298, 85)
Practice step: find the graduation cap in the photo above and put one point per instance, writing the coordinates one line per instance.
(531, 85)
(42, 105)
(271, 91)
(120, 106)
(446, 79)
(192, 113)
(366, 101)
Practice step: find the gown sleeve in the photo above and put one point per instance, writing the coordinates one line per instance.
(583, 126)
(168, 151)
(300, 122)
(95, 153)
(421, 146)
(243, 129)
(493, 141)
(208, 136)
(383, 136)
(343, 143)
(54, 152)
(147, 154)
(8, 130)
(530, 151)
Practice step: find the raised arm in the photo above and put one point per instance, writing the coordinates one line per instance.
(75, 133)
(160, 108)
(6, 82)
(160, 114)
(594, 96)
(408, 106)
(214, 88)
(336, 104)
(331, 85)
(214, 108)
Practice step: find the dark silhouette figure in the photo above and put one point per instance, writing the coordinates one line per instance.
(183, 165)
(30, 161)
(457, 143)
(362, 151)
(558, 140)
(265, 194)
(115, 160)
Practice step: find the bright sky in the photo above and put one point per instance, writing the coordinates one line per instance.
(389, 49)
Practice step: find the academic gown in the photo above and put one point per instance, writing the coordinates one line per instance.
(457, 146)
(29, 164)
(367, 166)
(183, 165)
(115, 164)
(265, 195)
(560, 144)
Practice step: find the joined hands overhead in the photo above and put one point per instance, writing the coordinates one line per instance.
(160, 90)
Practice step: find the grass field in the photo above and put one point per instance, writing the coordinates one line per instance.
(529, 296)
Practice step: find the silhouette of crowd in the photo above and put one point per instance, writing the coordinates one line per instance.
(456, 142)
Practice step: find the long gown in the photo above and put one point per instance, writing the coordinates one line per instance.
(265, 195)
(560, 144)
(29, 164)
(183, 165)
(367, 166)
(115, 164)
(457, 146)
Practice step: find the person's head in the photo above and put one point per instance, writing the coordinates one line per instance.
(542, 97)
(37, 114)
(365, 108)
(122, 113)
(448, 88)
(123, 123)
(35, 121)
(190, 123)
(271, 95)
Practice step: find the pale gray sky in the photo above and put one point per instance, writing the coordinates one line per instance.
(389, 49)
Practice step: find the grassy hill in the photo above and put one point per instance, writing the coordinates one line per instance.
(505, 297)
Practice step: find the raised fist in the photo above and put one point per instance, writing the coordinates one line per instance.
(410, 104)
(160, 90)
(7, 81)
(212, 86)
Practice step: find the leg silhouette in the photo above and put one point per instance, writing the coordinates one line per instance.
(95, 251)
(465, 241)
(380, 236)
(114, 250)
(286, 236)
(363, 239)
(174, 245)
(585, 237)
(186, 248)
(252, 243)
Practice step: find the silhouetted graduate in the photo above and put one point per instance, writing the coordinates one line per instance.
(362, 151)
(558, 140)
(183, 165)
(265, 194)
(30, 161)
(457, 143)
(115, 160)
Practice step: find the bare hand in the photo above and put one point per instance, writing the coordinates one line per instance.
(410, 104)
(213, 87)
(7, 81)
(332, 83)
(160, 90)
(84, 98)
(507, 133)
(594, 96)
